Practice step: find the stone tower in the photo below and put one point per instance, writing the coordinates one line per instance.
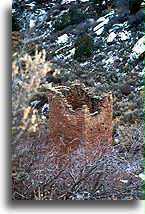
(77, 115)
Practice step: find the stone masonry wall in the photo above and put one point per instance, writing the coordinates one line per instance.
(77, 116)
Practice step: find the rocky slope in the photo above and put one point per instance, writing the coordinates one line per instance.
(116, 64)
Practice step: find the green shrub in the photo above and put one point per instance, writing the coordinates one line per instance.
(41, 1)
(62, 22)
(73, 16)
(76, 16)
(134, 5)
(15, 23)
(84, 46)
(98, 2)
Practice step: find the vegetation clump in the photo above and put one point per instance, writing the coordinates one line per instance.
(15, 23)
(84, 46)
(134, 5)
(73, 16)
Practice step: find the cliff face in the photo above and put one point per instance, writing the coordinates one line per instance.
(77, 116)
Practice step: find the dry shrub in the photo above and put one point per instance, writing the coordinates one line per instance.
(27, 75)
(128, 136)
(112, 176)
